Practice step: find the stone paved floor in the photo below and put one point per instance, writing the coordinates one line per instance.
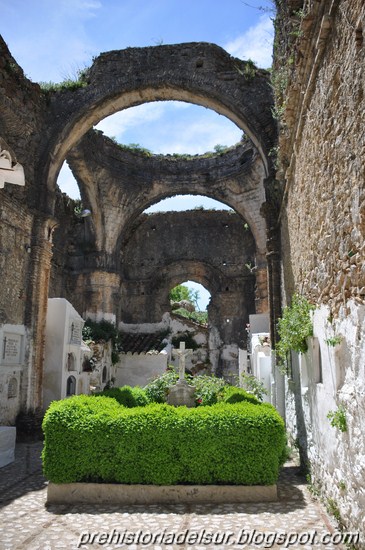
(26, 523)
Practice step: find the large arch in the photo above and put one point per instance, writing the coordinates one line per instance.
(118, 184)
(199, 73)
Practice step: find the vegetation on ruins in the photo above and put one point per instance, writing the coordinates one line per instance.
(181, 294)
(338, 418)
(200, 317)
(137, 148)
(71, 82)
(95, 439)
(334, 340)
(294, 327)
(102, 331)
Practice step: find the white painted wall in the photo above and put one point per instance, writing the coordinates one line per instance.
(140, 368)
(337, 459)
(63, 337)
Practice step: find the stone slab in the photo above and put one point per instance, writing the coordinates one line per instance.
(107, 493)
(7, 445)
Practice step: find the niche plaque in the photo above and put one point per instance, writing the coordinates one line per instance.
(12, 349)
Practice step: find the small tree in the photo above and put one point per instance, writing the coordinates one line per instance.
(180, 292)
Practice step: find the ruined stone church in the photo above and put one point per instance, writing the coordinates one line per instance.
(295, 184)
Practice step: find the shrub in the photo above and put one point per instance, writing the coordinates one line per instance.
(127, 396)
(157, 389)
(232, 394)
(207, 389)
(94, 439)
(254, 385)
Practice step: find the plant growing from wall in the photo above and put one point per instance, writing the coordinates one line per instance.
(338, 419)
(334, 511)
(294, 327)
(80, 80)
(103, 331)
(334, 341)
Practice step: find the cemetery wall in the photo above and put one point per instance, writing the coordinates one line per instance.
(138, 369)
(322, 157)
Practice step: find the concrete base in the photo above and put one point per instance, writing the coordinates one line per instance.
(107, 493)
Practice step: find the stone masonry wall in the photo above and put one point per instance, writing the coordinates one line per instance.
(322, 158)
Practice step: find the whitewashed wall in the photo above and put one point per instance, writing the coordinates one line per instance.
(337, 459)
(139, 369)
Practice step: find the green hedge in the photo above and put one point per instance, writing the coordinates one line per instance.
(93, 439)
(232, 394)
(127, 396)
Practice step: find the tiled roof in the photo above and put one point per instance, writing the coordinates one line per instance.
(141, 343)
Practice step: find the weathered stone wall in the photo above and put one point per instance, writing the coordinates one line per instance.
(26, 231)
(16, 224)
(214, 248)
(199, 73)
(322, 159)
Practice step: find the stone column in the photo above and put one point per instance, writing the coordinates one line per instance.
(100, 291)
(274, 267)
(261, 289)
(36, 309)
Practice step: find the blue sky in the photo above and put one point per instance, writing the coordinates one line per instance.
(53, 39)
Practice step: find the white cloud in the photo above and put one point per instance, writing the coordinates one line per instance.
(171, 127)
(116, 125)
(186, 202)
(256, 43)
(198, 137)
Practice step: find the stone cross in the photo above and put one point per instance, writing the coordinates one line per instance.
(182, 353)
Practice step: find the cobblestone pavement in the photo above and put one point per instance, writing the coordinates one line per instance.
(26, 523)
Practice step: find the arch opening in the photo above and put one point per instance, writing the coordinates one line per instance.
(176, 128)
(186, 202)
(110, 95)
(190, 299)
(71, 386)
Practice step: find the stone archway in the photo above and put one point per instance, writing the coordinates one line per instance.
(199, 73)
(136, 181)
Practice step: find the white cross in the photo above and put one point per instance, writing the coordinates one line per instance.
(182, 353)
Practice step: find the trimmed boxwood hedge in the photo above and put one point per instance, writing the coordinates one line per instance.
(127, 396)
(232, 394)
(94, 439)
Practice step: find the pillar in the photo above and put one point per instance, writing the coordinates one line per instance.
(36, 309)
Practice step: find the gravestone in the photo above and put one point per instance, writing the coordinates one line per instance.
(182, 393)
(12, 368)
